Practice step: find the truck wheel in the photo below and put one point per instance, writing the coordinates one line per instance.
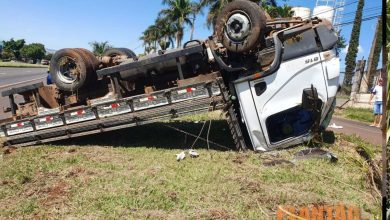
(240, 26)
(92, 59)
(120, 52)
(92, 64)
(69, 69)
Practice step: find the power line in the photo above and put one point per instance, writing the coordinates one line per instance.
(341, 6)
(363, 19)
(365, 10)
(367, 17)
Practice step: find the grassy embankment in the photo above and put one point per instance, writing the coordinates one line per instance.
(133, 174)
(21, 65)
(359, 114)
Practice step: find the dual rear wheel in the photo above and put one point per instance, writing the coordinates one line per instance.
(72, 69)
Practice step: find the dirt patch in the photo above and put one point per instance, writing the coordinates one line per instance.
(240, 158)
(56, 194)
(75, 172)
(25, 179)
(57, 190)
(220, 214)
(72, 151)
(9, 150)
(250, 186)
(172, 195)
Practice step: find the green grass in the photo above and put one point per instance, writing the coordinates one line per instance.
(360, 114)
(21, 65)
(140, 178)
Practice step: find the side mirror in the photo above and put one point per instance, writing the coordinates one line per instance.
(310, 99)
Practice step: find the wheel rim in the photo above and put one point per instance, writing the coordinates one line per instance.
(238, 26)
(67, 70)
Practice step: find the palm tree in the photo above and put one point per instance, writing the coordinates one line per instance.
(278, 11)
(150, 38)
(167, 32)
(178, 12)
(98, 48)
(215, 8)
(196, 8)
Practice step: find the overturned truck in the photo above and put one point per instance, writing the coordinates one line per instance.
(276, 80)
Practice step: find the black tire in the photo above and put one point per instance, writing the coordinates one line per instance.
(60, 65)
(92, 59)
(92, 64)
(120, 52)
(192, 43)
(257, 21)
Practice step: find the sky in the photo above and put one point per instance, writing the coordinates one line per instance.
(74, 23)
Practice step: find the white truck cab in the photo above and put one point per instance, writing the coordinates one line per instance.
(273, 108)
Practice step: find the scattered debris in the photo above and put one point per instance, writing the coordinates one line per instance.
(335, 126)
(315, 153)
(193, 153)
(275, 162)
(180, 156)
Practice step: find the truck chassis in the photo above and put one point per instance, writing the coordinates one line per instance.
(234, 71)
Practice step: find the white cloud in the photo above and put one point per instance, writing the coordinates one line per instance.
(360, 50)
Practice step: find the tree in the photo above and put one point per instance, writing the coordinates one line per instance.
(350, 59)
(150, 37)
(178, 12)
(98, 48)
(48, 56)
(278, 11)
(7, 55)
(196, 8)
(166, 32)
(341, 43)
(34, 51)
(12, 48)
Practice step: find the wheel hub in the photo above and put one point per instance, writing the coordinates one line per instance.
(238, 27)
(67, 70)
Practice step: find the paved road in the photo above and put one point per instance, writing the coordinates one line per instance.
(13, 76)
(370, 134)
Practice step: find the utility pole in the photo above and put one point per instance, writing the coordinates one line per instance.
(371, 60)
(357, 79)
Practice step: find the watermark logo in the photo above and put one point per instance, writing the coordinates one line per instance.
(319, 212)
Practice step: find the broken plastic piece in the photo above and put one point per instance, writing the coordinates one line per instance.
(180, 156)
(193, 153)
(315, 153)
(335, 126)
